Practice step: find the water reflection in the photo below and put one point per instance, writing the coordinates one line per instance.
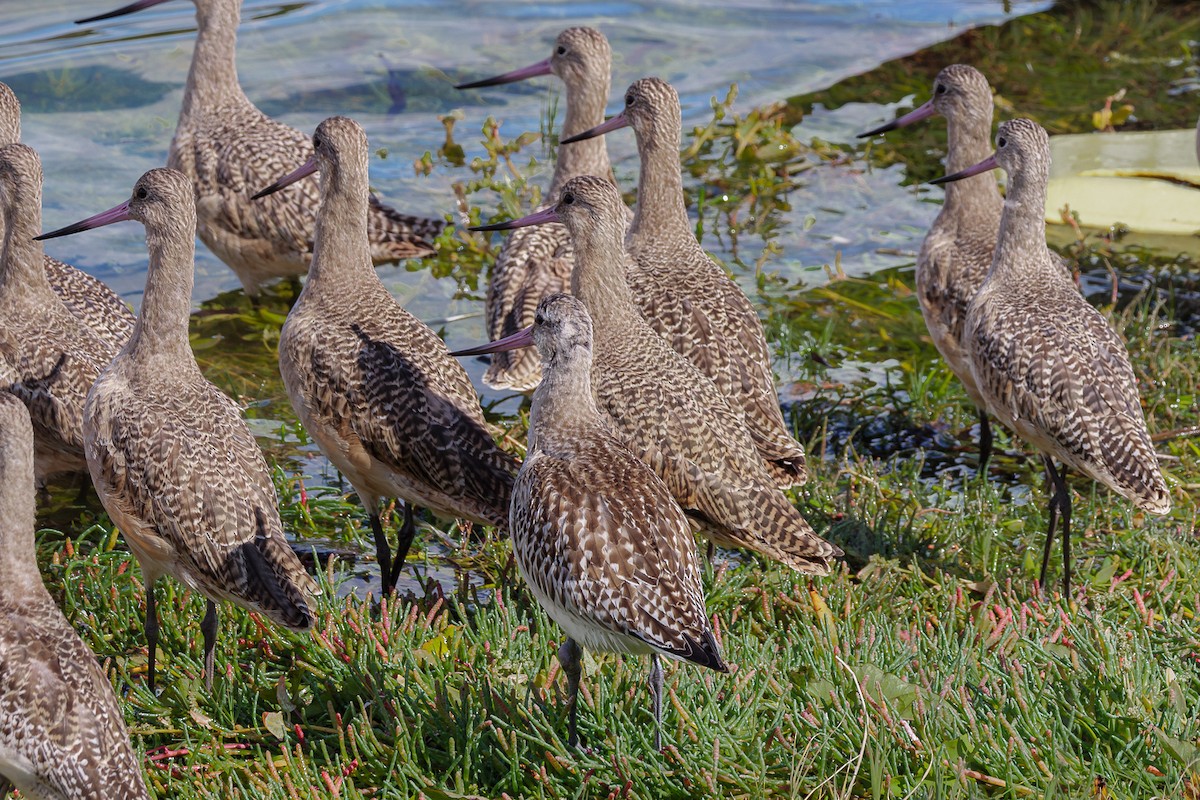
(87, 88)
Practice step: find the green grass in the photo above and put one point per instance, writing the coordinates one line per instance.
(924, 668)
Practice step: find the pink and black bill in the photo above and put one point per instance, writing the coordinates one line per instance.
(988, 163)
(916, 115)
(303, 171)
(610, 124)
(536, 218)
(532, 71)
(115, 214)
(522, 338)
(122, 11)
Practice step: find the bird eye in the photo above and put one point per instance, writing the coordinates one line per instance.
(142, 194)
(562, 51)
(568, 198)
(1001, 142)
(316, 142)
(629, 99)
(539, 319)
(941, 88)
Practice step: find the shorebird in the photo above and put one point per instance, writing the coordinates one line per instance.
(48, 358)
(684, 295)
(668, 413)
(597, 536)
(87, 297)
(1046, 362)
(535, 262)
(172, 460)
(957, 252)
(373, 385)
(62, 734)
(230, 149)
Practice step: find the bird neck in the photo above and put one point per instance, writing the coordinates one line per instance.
(1021, 245)
(212, 79)
(563, 405)
(21, 262)
(660, 206)
(341, 250)
(599, 281)
(161, 330)
(977, 197)
(585, 109)
(19, 575)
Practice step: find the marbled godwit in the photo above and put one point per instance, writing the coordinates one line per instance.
(669, 413)
(605, 549)
(536, 262)
(88, 298)
(957, 251)
(684, 294)
(48, 358)
(171, 457)
(61, 731)
(1046, 363)
(230, 149)
(373, 385)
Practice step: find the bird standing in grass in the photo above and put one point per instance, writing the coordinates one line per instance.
(62, 734)
(597, 536)
(172, 460)
(686, 296)
(1046, 363)
(374, 386)
(668, 413)
(957, 252)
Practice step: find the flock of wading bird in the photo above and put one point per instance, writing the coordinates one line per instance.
(654, 410)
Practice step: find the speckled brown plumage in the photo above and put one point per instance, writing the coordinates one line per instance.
(535, 262)
(172, 460)
(686, 297)
(1047, 364)
(88, 298)
(957, 252)
(374, 386)
(230, 150)
(62, 735)
(669, 413)
(92, 302)
(596, 534)
(47, 357)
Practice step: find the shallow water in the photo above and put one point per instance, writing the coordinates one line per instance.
(100, 100)
(100, 103)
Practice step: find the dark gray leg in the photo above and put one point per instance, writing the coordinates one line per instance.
(1064, 506)
(404, 540)
(151, 630)
(1060, 502)
(1051, 474)
(656, 690)
(208, 627)
(383, 554)
(985, 441)
(571, 657)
